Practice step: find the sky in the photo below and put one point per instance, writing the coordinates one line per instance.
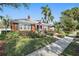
(35, 10)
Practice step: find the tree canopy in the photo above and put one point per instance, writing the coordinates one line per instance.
(46, 11)
(70, 18)
(68, 23)
(15, 5)
(73, 12)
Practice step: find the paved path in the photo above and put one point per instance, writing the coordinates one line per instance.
(53, 49)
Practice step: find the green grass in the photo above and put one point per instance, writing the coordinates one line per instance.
(71, 50)
(18, 45)
(2, 36)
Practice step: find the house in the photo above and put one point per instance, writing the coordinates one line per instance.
(23, 25)
(28, 25)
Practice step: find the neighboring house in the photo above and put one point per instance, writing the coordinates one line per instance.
(2, 27)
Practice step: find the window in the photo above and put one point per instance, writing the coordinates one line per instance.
(24, 26)
(20, 26)
(37, 27)
(29, 27)
(41, 27)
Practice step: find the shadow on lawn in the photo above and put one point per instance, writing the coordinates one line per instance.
(72, 49)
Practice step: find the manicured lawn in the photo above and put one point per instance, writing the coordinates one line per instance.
(72, 49)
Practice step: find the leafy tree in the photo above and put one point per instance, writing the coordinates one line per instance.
(68, 23)
(46, 11)
(73, 13)
(15, 5)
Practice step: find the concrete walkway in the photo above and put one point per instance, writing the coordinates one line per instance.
(53, 49)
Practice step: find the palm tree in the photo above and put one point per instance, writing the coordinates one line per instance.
(50, 17)
(47, 14)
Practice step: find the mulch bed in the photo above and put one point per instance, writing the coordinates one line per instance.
(2, 48)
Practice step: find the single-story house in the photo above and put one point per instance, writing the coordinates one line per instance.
(23, 25)
(28, 25)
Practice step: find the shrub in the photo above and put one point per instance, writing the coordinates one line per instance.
(20, 45)
(10, 47)
(36, 35)
(77, 33)
(12, 35)
(49, 33)
(61, 34)
(66, 33)
(36, 44)
(11, 40)
(24, 33)
(2, 36)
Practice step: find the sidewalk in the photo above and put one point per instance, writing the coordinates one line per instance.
(53, 49)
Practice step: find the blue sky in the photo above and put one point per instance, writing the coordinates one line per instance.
(35, 10)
